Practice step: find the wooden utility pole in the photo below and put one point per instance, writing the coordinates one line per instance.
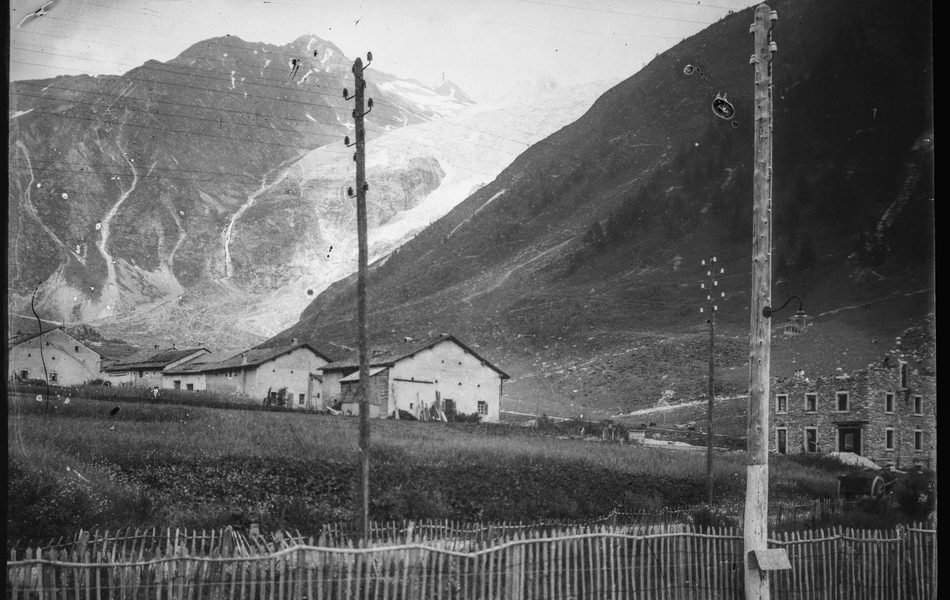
(365, 382)
(757, 456)
(713, 295)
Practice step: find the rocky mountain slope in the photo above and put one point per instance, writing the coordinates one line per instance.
(125, 190)
(578, 268)
(203, 200)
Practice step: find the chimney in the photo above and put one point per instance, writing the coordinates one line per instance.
(244, 358)
(156, 346)
(293, 341)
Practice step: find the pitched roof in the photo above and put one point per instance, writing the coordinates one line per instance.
(17, 340)
(25, 337)
(152, 358)
(202, 362)
(389, 354)
(235, 360)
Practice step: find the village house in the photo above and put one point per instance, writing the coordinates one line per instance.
(145, 367)
(255, 374)
(886, 412)
(67, 360)
(417, 376)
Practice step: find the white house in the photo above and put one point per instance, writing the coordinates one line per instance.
(256, 373)
(67, 360)
(145, 367)
(413, 376)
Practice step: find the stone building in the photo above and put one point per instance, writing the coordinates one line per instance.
(886, 412)
(416, 375)
(145, 367)
(255, 374)
(55, 356)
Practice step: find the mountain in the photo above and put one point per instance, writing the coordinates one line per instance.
(453, 91)
(125, 190)
(578, 268)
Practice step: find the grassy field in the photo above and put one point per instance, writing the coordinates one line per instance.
(80, 466)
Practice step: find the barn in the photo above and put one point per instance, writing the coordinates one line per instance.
(256, 373)
(419, 377)
(53, 355)
(145, 367)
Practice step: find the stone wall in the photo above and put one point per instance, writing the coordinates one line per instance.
(866, 411)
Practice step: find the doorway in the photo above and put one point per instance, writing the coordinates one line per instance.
(849, 439)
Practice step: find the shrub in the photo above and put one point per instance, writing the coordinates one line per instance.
(914, 495)
(706, 518)
(464, 418)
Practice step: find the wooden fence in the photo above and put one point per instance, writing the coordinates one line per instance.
(606, 564)
(227, 541)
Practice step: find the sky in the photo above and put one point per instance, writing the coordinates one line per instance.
(486, 47)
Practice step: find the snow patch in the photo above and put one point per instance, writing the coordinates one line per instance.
(20, 113)
(311, 118)
(232, 80)
(425, 98)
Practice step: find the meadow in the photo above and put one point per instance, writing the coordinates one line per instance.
(86, 465)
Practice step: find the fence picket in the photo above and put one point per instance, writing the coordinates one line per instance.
(514, 561)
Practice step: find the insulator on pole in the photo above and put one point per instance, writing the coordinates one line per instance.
(349, 192)
(365, 186)
(370, 103)
(346, 94)
(702, 286)
(721, 271)
(722, 295)
(714, 259)
(700, 309)
(704, 263)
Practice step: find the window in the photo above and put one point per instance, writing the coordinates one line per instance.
(781, 403)
(24, 374)
(141, 374)
(842, 401)
(811, 402)
(811, 439)
(889, 438)
(53, 377)
(918, 440)
(781, 440)
(301, 399)
(482, 407)
(904, 375)
(889, 402)
(177, 384)
(918, 405)
(76, 348)
(191, 387)
(449, 406)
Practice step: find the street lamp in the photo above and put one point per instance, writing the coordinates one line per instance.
(795, 325)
